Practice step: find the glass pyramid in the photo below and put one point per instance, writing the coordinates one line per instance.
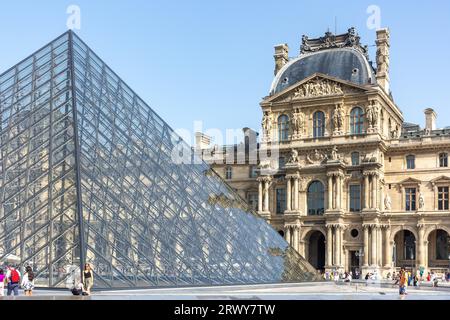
(86, 176)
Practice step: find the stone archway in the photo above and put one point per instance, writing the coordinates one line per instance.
(316, 250)
(439, 249)
(404, 249)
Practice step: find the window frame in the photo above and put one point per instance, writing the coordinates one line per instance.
(357, 121)
(412, 199)
(228, 172)
(283, 128)
(316, 197)
(443, 160)
(443, 202)
(351, 199)
(318, 124)
(407, 159)
(358, 158)
(280, 203)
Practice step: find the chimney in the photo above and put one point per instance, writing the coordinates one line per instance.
(202, 141)
(430, 119)
(281, 56)
(383, 46)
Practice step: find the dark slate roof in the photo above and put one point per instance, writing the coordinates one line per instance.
(343, 63)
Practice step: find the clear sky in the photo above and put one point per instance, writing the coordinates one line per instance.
(212, 61)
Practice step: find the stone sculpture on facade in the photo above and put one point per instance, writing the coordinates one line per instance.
(267, 125)
(421, 201)
(387, 203)
(315, 157)
(298, 123)
(318, 87)
(338, 119)
(293, 157)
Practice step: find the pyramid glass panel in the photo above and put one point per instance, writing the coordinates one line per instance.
(87, 176)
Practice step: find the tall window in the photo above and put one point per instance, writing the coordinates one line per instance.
(409, 245)
(316, 199)
(443, 160)
(356, 121)
(281, 162)
(281, 200)
(283, 128)
(355, 158)
(253, 171)
(253, 200)
(410, 199)
(228, 173)
(410, 162)
(442, 245)
(355, 198)
(442, 198)
(319, 124)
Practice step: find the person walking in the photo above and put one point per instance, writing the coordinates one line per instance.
(2, 283)
(28, 281)
(403, 283)
(13, 279)
(88, 278)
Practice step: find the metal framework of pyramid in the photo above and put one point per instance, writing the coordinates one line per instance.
(86, 176)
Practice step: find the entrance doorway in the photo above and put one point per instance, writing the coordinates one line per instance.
(317, 250)
(354, 263)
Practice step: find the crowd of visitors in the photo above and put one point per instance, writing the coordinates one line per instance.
(12, 280)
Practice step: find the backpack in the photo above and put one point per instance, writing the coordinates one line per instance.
(15, 276)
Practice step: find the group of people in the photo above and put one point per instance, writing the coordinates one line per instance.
(13, 280)
(344, 276)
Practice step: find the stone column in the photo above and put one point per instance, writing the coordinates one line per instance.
(374, 191)
(335, 253)
(338, 191)
(373, 236)
(296, 178)
(288, 234)
(260, 196)
(338, 247)
(330, 192)
(296, 231)
(329, 246)
(288, 194)
(366, 246)
(366, 192)
(266, 196)
(387, 247)
(379, 246)
(420, 247)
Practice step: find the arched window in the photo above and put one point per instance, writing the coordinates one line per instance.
(319, 124)
(409, 245)
(283, 128)
(443, 160)
(356, 121)
(316, 199)
(442, 245)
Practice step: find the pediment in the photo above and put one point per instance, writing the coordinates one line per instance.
(316, 86)
(410, 181)
(440, 179)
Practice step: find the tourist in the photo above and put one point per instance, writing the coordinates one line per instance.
(403, 283)
(88, 278)
(13, 278)
(415, 280)
(429, 277)
(78, 290)
(28, 281)
(2, 283)
(356, 274)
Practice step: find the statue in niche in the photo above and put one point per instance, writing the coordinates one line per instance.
(338, 118)
(421, 201)
(387, 202)
(267, 124)
(298, 122)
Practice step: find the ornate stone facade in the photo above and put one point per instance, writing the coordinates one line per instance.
(360, 188)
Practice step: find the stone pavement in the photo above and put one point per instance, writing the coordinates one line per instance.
(293, 291)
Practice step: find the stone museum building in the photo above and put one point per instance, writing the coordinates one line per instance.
(355, 186)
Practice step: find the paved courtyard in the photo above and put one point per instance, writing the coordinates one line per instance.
(299, 291)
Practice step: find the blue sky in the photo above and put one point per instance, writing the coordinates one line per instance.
(213, 60)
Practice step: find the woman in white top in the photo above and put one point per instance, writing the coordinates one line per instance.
(28, 281)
